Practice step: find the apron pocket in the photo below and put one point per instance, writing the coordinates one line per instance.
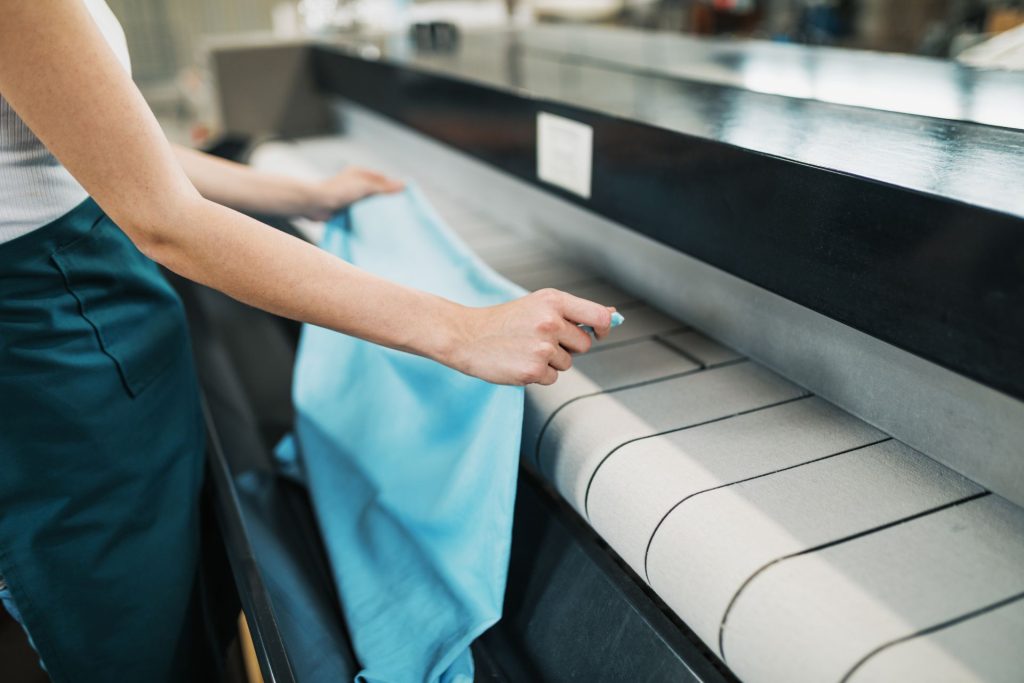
(136, 315)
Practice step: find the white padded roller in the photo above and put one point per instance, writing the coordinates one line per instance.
(299, 160)
(815, 616)
(601, 292)
(548, 273)
(586, 431)
(984, 647)
(322, 156)
(522, 253)
(637, 486)
(706, 351)
(469, 225)
(611, 368)
(496, 240)
(706, 548)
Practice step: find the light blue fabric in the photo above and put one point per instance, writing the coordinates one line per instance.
(7, 600)
(411, 466)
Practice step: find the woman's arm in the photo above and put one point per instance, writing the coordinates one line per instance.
(244, 188)
(60, 76)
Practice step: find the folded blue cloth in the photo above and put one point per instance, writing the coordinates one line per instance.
(411, 466)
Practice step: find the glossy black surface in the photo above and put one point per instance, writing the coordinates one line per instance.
(573, 612)
(929, 272)
(925, 86)
(783, 100)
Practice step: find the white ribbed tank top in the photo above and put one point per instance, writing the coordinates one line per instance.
(34, 188)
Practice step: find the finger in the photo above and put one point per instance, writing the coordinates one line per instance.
(560, 360)
(549, 377)
(383, 183)
(611, 309)
(586, 312)
(390, 186)
(573, 339)
(373, 175)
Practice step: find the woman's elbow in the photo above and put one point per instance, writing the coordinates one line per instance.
(160, 229)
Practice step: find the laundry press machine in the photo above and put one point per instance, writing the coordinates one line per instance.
(801, 458)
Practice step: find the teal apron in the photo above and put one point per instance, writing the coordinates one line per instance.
(101, 454)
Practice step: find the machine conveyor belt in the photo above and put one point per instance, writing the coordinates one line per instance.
(798, 542)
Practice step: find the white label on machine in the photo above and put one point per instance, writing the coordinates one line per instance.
(564, 153)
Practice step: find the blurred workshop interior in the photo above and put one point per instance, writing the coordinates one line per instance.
(167, 40)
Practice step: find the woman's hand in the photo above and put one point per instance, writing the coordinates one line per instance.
(250, 190)
(329, 196)
(529, 340)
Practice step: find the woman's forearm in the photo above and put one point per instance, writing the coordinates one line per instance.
(244, 188)
(295, 280)
(524, 341)
(53, 61)
(276, 272)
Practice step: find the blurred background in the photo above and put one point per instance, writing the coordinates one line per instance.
(168, 38)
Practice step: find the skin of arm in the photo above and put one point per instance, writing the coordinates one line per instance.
(244, 188)
(62, 79)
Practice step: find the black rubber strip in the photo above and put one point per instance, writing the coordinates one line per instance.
(650, 541)
(932, 629)
(838, 541)
(605, 347)
(660, 338)
(556, 411)
(586, 496)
